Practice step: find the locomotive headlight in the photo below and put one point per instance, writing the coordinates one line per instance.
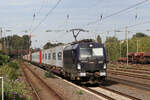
(91, 45)
(105, 66)
(79, 66)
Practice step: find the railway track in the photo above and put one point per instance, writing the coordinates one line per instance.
(98, 93)
(106, 96)
(114, 94)
(120, 93)
(139, 68)
(129, 74)
(131, 70)
(130, 83)
(50, 91)
(35, 93)
(131, 78)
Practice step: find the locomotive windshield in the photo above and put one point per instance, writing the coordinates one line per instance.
(85, 52)
(88, 52)
(97, 51)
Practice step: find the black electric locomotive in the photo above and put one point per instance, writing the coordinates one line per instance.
(85, 62)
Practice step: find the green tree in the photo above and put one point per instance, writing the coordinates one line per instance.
(99, 39)
(27, 41)
(50, 45)
(16, 45)
(139, 34)
(112, 48)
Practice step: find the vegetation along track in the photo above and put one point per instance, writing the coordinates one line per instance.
(51, 92)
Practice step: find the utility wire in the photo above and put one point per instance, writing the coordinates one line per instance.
(42, 5)
(33, 19)
(118, 12)
(128, 26)
(35, 14)
(146, 22)
(50, 11)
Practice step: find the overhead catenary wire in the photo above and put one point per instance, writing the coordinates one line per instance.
(33, 19)
(129, 26)
(42, 5)
(118, 12)
(35, 14)
(50, 12)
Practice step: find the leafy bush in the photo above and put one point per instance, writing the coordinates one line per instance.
(13, 65)
(13, 74)
(4, 59)
(14, 85)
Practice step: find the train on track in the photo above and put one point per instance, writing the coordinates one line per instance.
(82, 61)
(139, 57)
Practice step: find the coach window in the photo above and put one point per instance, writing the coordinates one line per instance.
(59, 56)
(54, 56)
(49, 56)
(45, 56)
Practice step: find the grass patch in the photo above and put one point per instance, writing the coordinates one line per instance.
(80, 92)
(49, 75)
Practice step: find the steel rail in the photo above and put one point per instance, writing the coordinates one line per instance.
(50, 89)
(119, 93)
(129, 83)
(32, 87)
(98, 93)
(126, 70)
(130, 75)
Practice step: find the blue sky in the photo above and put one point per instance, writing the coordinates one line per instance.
(17, 15)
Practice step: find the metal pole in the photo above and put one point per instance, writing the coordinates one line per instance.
(2, 87)
(1, 32)
(1, 42)
(137, 46)
(120, 49)
(127, 43)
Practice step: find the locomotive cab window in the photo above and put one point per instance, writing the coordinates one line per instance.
(97, 51)
(54, 56)
(85, 52)
(59, 56)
